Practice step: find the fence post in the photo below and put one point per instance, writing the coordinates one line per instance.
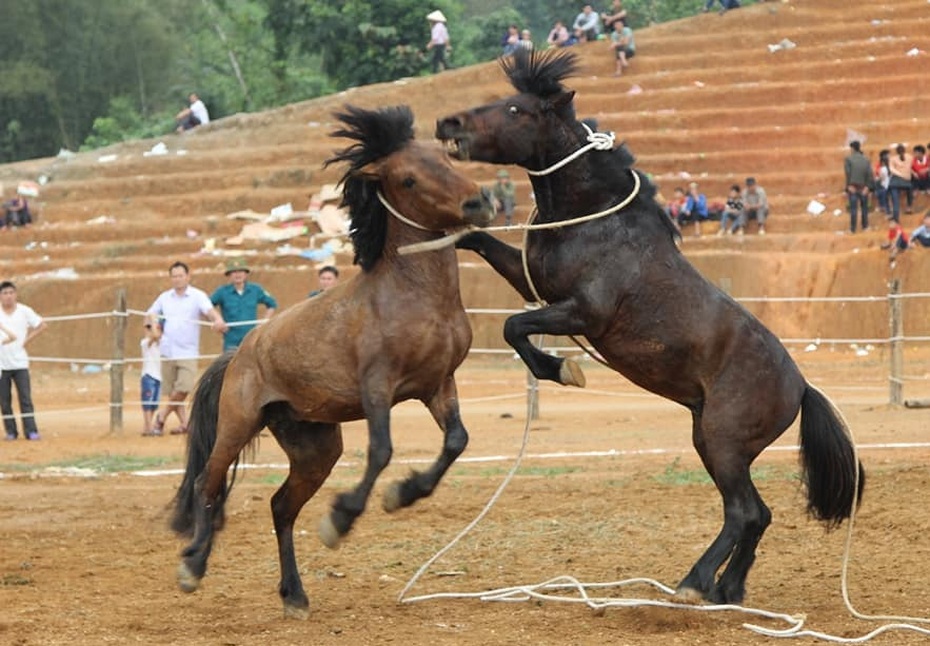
(117, 365)
(896, 323)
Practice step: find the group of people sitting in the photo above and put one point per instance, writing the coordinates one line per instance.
(742, 206)
(16, 213)
(589, 26)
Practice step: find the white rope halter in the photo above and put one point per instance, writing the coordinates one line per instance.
(596, 141)
(397, 214)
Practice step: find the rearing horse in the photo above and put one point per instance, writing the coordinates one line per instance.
(397, 331)
(619, 280)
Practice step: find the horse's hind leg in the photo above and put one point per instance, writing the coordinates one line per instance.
(444, 407)
(312, 449)
(236, 427)
(349, 505)
(745, 519)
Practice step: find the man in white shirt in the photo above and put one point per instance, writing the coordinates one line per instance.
(587, 24)
(22, 324)
(195, 115)
(438, 40)
(181, 309)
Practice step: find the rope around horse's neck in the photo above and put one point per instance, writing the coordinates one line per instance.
(452, 238)
(596, 141)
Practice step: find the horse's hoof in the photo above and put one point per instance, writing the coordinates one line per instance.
(689, 595)
(570, 374)
(301, 613)
(328, 533)
(392, 501)
(187, 580)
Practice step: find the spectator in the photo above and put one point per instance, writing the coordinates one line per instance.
(858, 172)
(587, 25)
(616, 13)
(328, 277)
(755, 205)
(921, 235)
(621, 41)
(897, 241)
(899, 165)
(920, 170)
(559, 36)
(20, 325)
(511, 40)
(526, 39)
(438, 40)
(238, 301)
(694, 210)
(732, 211)
(504, 194)
(725, 5)
(674, 206)
(882, 178)
(194, 115)
(150, 381)
(180, 310)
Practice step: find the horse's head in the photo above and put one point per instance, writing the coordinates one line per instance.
(523, 128)
(416, 179)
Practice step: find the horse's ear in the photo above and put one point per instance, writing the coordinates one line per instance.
(368, 172)
(563, 99)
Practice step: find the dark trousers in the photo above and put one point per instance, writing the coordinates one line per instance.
(439, 58)
(24, 393)
(858, 200)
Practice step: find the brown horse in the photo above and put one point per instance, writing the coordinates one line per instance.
(396, 332)
(619, 280)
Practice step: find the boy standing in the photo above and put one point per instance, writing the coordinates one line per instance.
(150, 382)
(24, 325)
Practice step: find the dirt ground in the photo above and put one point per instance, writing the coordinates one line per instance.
(89, 560)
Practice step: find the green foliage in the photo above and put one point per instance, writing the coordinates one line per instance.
(482, 35)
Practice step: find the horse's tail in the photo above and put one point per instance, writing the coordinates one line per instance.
(829, 466)
(200, 442)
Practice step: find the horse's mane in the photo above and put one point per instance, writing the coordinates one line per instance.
(539, 72)
(378, 134)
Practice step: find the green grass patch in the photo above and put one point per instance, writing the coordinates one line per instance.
(99, 463)
(675, 474)
(491, 472)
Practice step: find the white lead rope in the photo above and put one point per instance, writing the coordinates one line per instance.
(596, 141)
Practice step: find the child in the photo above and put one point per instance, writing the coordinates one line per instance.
(897, 241)
(732, 211)
(151, 375)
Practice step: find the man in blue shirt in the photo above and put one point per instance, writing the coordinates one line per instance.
(238, 301)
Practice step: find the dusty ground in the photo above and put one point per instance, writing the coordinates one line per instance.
(90, 561)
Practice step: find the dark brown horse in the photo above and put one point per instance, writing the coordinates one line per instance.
(621, 282)
(396, 332)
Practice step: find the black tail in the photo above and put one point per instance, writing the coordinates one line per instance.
(201, 439)
(828, 461)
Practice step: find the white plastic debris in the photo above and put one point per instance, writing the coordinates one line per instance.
(811, 347)
(816, 208)
(158, 149)
(106, 159)
(784, 44)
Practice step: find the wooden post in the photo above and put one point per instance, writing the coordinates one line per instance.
(896, 325)
(117, 365)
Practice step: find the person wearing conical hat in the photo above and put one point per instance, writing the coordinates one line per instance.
(238, 301)
(438, 40)
(504, 194)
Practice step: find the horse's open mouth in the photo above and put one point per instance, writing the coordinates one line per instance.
(454, 137)
(456, 148)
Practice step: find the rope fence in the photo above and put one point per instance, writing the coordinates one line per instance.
(895, 341)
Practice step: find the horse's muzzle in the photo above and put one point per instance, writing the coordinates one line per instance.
(479, 210)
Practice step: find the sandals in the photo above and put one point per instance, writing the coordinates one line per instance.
(180, 430)
(152, 433)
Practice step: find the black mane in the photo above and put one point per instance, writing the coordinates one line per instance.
(539, 72)
(378, 134)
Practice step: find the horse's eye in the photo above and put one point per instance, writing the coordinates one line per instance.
(513, 110)
(409, 182)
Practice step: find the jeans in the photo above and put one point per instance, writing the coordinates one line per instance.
(24, 393)
(730, 216)
(881, 195)
(858, 198)
(897, 187)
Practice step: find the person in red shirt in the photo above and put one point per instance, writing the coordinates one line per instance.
(897, 241)
(920, 169)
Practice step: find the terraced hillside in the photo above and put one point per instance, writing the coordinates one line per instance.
(704, 98)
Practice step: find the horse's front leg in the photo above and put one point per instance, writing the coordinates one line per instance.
(561, 319)
(444, 407)
(349, 505)
(504, 259)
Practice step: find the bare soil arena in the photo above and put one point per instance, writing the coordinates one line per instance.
(610, 489)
